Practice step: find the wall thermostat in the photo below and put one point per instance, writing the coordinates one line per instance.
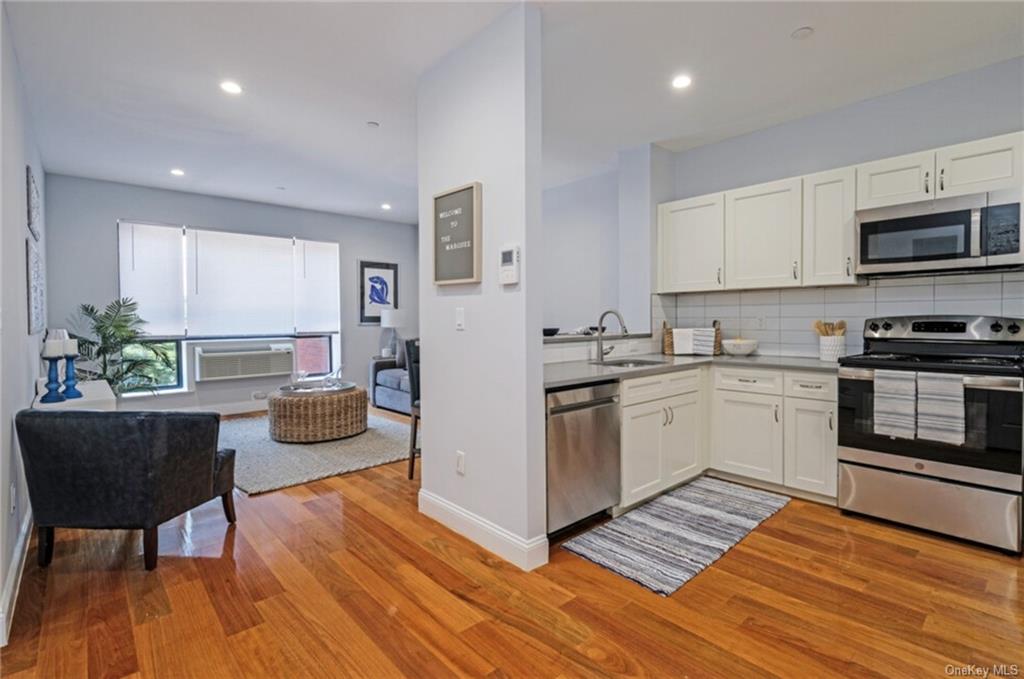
(510, 264)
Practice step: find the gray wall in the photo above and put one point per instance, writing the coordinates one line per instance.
(20, 363)
(980, 103)
(581, 276)
(82, 251)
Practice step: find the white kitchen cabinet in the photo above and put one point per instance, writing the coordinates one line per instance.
(810, 445)
(642, 431)
(662, 438)
(681, 439)
(691, 244)
(979, 166)
(894, 181)
(763, 232)
(747, 435)
(829, 230)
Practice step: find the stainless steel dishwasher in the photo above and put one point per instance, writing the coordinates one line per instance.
(583, 452)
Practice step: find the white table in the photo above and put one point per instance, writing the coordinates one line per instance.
(96, 395)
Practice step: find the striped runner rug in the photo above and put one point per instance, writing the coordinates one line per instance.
(664, 543)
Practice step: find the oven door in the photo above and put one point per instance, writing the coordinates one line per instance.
(921, 242)
(991, 453)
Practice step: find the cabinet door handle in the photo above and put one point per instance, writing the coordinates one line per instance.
(719, 275)
(746, 380)
(664, 416)
(849, 266)
(795, 265)
(810, 386)
(942, 179)
(926, 176)
(830, 425)
(672, 413)
(776, 413)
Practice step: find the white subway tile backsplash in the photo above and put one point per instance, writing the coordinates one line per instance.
(759, 298)
(860, 293)
(969, 307)
(979, 290)
(781, 319)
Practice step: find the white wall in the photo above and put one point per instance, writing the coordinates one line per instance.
(581, 259)
(82, 251)
(980, 103)
(20, 351)
(479, 120)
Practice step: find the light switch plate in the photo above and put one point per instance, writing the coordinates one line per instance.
(460, 318)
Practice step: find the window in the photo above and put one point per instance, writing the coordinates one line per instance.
(313, 355)
(201, 283)
(163, 364)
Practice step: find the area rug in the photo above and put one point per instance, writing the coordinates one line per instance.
(262, 464)
(664, 543)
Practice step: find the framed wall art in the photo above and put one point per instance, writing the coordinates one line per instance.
(378, 289)
(34, 204)
(457, 227)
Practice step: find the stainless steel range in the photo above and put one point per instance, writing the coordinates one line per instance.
(967, 484)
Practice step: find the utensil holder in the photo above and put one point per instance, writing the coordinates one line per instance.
(831, 347)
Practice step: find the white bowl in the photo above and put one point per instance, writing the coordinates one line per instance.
(739, 347)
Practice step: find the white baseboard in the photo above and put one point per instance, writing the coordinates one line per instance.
(9, 597)
(526, 554)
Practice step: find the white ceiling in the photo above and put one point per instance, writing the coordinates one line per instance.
(126, 91)
(608, 66)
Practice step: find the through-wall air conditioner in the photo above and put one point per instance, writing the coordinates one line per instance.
(232, 364)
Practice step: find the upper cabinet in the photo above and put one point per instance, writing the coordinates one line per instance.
(829, 232)
(973, 167)
(690, 244)
(893, 181)
(980, 166)
(763, 230)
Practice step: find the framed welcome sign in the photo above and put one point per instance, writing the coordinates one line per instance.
(378, 288)
(457, 220)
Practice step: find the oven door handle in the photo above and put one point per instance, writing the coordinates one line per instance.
(986, 382)
(991, 383)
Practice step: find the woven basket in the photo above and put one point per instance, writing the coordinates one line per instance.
(718, 337)
(666, 339)
(306, 418)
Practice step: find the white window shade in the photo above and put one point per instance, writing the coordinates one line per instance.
(151, 271)
(239, 284)
(317, 287)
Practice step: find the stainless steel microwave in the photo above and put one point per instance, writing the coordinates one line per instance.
(969, 232)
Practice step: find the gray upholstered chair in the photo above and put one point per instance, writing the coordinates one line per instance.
(388, 382)
(88, 469)
(412, 354)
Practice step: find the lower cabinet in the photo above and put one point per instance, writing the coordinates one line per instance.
(747, 435)
(661, 445)
(811, 442)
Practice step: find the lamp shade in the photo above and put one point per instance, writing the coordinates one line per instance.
(390, 318)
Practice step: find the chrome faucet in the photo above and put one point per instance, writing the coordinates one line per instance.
(601, 353)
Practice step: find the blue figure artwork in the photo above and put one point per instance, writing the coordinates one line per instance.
(379, 291)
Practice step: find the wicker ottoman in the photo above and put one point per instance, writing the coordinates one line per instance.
(307, 417)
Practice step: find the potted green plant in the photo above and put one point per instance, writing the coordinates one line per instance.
(112, 348)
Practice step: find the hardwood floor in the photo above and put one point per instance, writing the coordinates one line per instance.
(343, 577)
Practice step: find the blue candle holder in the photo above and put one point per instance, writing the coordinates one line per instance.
(52, 394)
(70, 378)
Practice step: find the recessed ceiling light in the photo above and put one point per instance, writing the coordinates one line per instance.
(231, 87)
(178, 172)
(385, 206)
(372, 123)
(802, 33)
(681, 82)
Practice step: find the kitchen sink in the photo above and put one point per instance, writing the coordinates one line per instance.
(628, 363)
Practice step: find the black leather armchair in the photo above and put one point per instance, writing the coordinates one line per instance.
(89, 469)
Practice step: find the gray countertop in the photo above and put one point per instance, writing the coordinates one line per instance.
(557, 375)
